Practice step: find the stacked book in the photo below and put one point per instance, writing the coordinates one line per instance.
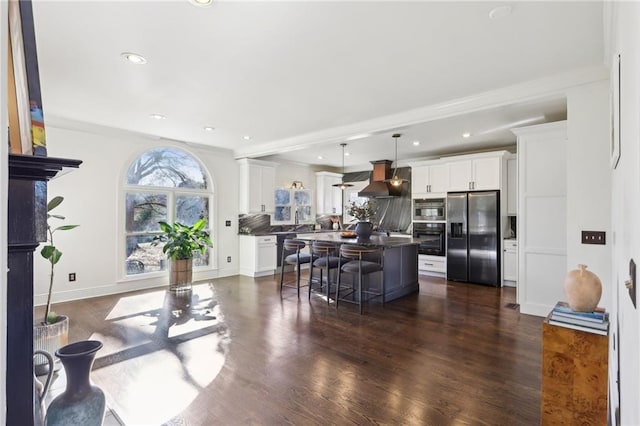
(592, 322)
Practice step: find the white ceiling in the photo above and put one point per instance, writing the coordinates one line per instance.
(301, 77)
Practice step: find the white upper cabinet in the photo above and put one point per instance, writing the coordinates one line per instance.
(512, 186)
(475, 174)
(257, 182)
(429, 179)
(329, 197)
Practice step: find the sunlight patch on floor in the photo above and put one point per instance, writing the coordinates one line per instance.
(164, 354)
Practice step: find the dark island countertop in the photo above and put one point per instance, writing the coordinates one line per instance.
(376, 240)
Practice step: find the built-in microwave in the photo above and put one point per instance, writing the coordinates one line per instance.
(429, 209)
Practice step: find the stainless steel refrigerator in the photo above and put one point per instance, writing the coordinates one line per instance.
(473, 237)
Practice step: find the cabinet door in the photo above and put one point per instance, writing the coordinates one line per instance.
(460, 175)
(439, 178)
(266, 253)
(510, 272)
(267, 186)
(512, 186)
(336, 198)
(329, 197)
(419, 180)
(254, 189)
(486, 173)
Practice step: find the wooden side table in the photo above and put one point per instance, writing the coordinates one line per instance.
(574, 376)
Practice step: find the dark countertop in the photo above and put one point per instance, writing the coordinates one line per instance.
(374, 241)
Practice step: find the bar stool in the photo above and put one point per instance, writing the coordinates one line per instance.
(327, 259)
(361, 261)
(295, 258)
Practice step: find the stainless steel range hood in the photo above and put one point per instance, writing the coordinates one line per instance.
(378, 188)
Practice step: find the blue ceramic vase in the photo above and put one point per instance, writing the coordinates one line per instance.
(81, 403)
(364, 230)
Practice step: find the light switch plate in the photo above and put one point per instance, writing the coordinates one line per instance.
(594, 237)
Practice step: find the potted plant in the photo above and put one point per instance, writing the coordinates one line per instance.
(364, 214)
(180, 242)
(52, 332)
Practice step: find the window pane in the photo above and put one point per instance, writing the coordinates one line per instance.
(282, 197)
(190, 209)
(282, 213)
(143, 256)
(144, 211)
(167, 167)
(200, 259)
(304, 213)
(302, 197)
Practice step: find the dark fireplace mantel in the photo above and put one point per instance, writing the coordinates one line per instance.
(27, 226)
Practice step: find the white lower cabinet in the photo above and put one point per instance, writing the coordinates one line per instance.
(427, 263)
(257, 255)
(510, 262)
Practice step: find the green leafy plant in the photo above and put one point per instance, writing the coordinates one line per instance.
(364, 212)
(181, 240)
(52, 253)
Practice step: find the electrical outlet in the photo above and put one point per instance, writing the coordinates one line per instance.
(228, 259)
(72, 276)
(594, 237)
(227, 223)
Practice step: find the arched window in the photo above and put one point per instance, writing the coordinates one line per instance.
(163, 184)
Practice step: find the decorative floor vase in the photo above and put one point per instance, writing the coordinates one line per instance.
(82, 403)
(364, 230)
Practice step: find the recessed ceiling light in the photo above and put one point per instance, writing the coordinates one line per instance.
(320, 157)
(346, 154)
(416, 143)
(158, 116)
(134, 58)
(209, 128)
(201, 3)
(246, 138)
(466, 135)
(500, 12)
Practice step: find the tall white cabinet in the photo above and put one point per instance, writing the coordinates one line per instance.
(542, 216)
(329, 197)
(257, 181)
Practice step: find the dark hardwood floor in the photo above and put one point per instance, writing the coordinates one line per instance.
(235, 352)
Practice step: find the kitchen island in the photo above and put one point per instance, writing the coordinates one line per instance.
(400, 259)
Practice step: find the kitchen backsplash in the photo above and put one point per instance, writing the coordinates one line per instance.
(394, 214)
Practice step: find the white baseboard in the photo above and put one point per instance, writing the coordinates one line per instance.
(535, 309)
(123, 287)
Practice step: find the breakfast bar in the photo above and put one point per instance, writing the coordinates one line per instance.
(400, 259)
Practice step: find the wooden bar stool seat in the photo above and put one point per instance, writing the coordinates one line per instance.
(327, 259)
(292, 255)
(361, 261)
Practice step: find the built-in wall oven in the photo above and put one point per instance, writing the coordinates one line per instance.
(430, 209)
(431, 238)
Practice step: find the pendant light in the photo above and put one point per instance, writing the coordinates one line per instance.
(395, 180)
(342, 185)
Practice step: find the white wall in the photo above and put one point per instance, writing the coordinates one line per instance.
(589, 180)
(625, 200)
(93, 199)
